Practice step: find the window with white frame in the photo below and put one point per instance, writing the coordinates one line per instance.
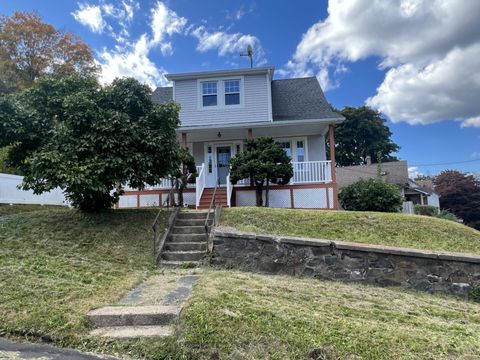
(209, 93)
(300, 150)
(232, 92)
(295, 148)
(287, 147)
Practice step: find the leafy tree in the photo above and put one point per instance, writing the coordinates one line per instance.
(73, 134)
(460, 194)
(371, 195)
(30, 48)
(264, 162)
(363, 133)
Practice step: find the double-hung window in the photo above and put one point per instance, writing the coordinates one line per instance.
(232, 92)
(286, 145)
(209, 93)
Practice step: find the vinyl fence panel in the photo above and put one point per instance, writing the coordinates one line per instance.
(11, 194)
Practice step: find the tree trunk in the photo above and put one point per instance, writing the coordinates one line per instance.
(267, 189)
(259, 193)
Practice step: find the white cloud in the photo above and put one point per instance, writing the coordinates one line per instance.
(414, 172)
(239, 13)
(131, 62)
(426, 46)
(94, 16)
(476, 155)
(91, 16)
(165, 22)
(228, 43)
(444, 89)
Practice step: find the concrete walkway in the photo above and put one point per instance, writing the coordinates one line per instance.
(148, 310)
(10, 350)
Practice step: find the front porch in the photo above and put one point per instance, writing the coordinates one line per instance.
(312, 186)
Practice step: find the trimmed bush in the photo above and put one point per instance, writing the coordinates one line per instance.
(427, 210)
(371, 195)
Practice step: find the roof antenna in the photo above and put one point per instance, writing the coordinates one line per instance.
(249, 53)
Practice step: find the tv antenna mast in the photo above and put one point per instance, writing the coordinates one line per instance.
(249, 53)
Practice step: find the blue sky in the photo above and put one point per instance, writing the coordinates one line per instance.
(406, 58)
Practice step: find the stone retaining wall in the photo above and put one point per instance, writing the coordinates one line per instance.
(336, 260)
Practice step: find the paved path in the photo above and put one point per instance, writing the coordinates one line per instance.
(21, 351)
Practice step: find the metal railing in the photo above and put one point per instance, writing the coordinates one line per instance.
(169, 201)
(212, 204)
(199, 185)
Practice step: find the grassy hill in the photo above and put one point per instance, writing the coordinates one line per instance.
(56, 264)
(239, 315)
(401, 230)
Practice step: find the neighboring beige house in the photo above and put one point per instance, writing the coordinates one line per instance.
(395, 172)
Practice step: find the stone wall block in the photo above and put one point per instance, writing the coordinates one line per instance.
(374, 264)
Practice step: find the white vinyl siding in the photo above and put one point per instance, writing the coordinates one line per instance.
(254, 108)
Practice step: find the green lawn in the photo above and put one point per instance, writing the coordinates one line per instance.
(6, 209)
(401, 230)
(250, 316)
(56, 265)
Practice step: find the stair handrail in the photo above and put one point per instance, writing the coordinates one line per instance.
(172, 216)
(212, 203)
(229, 190)
(199, 185)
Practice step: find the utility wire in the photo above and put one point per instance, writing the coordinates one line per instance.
(447, 163)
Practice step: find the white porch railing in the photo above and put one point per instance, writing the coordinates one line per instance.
(229, 190)
(199, 184)
(309, 172)
(306, 172)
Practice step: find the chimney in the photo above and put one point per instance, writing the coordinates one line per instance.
(368, 160)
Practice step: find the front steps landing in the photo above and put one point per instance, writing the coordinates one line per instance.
(148, 310)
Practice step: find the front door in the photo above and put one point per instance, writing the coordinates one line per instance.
(224, 153)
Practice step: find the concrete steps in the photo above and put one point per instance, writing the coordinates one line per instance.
(186, 246)
(133, 321)
(188, 241)
(133, 316)
(131, 332)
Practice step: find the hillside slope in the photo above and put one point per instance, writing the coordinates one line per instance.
(401, 230)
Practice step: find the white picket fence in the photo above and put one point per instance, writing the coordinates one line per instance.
(10, 193)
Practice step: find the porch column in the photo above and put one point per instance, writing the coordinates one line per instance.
(184, 140)
(331, 129)
(250, 134)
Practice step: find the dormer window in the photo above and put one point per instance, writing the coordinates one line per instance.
(220, 93)
(209, 93)
(232, 92)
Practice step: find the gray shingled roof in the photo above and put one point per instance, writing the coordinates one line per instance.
(162, 95)
(300, 99)
(292, 99)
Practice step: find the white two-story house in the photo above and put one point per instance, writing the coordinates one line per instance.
(220, 109)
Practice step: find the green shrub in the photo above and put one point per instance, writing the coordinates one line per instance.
(447, 215)
(427, 210)
(371, 195)
(474, 293)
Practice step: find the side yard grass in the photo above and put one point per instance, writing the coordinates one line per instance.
(235, 315)
(6, 209)
(401, 230)
(56, 265)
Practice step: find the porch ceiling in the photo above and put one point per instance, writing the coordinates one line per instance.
(240, 133)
